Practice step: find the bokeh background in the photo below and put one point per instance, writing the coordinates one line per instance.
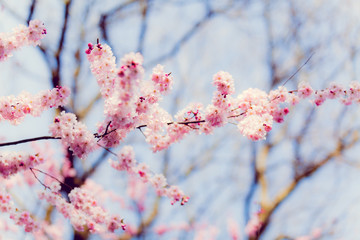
(306, 172)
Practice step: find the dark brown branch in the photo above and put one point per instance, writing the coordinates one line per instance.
(170, 123)
(28, 140)
(56, 72)
(96, 135)
(104, 18)
(31, 11)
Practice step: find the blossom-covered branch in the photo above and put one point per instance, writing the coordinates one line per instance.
(13, 162)
(126, 162)
(20, 217)
(21, 36)
(14, 109)
(82, 210)
(131, 102)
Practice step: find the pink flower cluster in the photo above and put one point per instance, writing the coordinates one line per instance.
(128, 100)
(13, 162)
(217, 113)
(162, 131)
(102, 65)
(119, 83)
(126, 162)
(119, 88)
(336, 91)
(224, 83)
(73, 134)
(163, 81)
(21, 36)
(254, 113)
(83, 210)
(14, 109)
(21, 218)
(131, 103)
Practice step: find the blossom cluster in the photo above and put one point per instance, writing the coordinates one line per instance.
(73, 134)
(335, 91)
(117, 87)
(126, 162)
(83, 210)
(21, 218)
(115, 83)
(128, 100)
(21, 36)
(162, 81)
(15, 108)
(132, 103)
(13, 162)
(254, 110)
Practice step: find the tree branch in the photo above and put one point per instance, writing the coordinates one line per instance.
(308, 172)
(31, 11)
(28, 140)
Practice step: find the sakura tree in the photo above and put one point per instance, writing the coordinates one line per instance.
(235, 122)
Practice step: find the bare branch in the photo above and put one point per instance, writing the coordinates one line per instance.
(31, 11)
(28, 140)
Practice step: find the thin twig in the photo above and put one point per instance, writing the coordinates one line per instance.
(96, 135)
(62, 183)
(299, 69)
(46, 187)
(141, 131)
(107, 149)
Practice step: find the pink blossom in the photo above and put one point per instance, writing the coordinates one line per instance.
(126, 162)
(320, 97)
(215, 116)
(14, 109)
(255, 126)
(304, 90)
(21, 218)
(224, 83)
(83, 210)
(21, 36)
(13, 162)
(163, 81)
(73, 134)
(334, 91)
(279, 95)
